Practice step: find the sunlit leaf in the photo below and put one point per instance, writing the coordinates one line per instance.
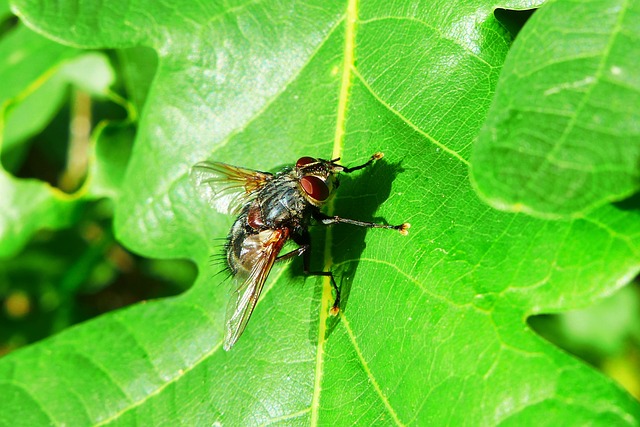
(433, 328)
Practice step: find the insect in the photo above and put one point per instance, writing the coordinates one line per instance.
(271, 209)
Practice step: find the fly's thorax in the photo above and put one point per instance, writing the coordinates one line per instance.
(281, 202)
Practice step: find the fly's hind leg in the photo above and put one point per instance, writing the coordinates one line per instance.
(293, 253)
(304, 240)
(335, 308)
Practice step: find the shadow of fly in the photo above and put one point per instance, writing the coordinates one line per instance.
(270, 210)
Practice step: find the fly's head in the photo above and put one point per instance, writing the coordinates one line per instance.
(317, 178)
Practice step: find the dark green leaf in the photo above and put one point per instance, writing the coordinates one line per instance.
(563, 132)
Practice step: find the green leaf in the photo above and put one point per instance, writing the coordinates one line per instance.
(4, 8)
(26, 206)
(37, 73)
(599, 331)
(563, 132)
(5, 17)
(33, 109)
(433, 328)
(29, 98)
(138, 68)
(112, 152)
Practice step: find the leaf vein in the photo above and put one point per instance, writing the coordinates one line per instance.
(409, 122)
(365, 366)
(187, 369)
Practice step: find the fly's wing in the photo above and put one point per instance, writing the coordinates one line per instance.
(227, 188)
(258, 255)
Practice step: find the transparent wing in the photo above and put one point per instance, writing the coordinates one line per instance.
(258, 255)
(227, 188)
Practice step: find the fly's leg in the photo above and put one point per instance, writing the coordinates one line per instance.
(304, 240)
(293, 253)
(376, 156)
(328, 220)
(335, 308)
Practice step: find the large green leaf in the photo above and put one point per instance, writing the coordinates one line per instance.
(563, 132)
(433, 328)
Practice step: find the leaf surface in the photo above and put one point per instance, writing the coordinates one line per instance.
(434, 324)
(563, 132)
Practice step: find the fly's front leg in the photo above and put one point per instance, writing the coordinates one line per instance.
(376, 156)
(304, 240)
(328, 220)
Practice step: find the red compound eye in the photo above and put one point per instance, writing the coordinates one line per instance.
(303, 161)
(315, 187)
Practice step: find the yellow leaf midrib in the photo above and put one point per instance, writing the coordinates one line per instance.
(338, 142)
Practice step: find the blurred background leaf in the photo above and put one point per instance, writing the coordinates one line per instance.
(607, 335)
(71, 268)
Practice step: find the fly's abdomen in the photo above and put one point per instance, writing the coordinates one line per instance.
(237, 240)
(246, 246)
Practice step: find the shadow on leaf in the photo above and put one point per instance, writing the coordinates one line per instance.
(358, 197)
(631, 203)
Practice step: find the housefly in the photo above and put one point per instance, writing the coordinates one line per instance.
(271, 209)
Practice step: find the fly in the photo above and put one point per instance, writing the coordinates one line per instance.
(271, 209)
